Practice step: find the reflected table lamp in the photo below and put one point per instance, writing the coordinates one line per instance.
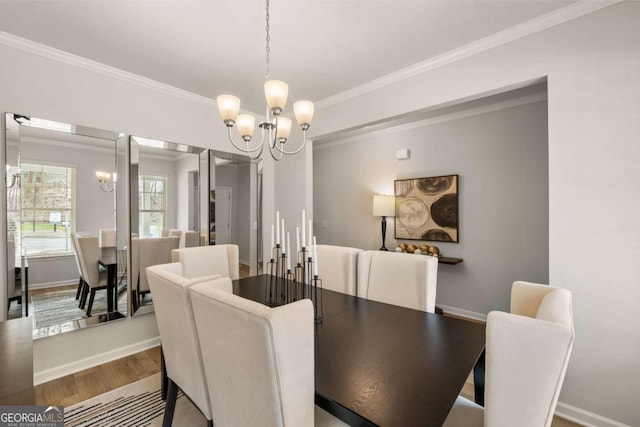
(384, 206)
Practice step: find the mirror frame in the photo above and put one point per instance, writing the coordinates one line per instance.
(133, 156)
(255, 196)
(79, 130)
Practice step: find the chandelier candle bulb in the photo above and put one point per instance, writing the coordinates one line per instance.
(246, 124)
(229, 107)
(284, 129)
(276, 92)
(304, 113)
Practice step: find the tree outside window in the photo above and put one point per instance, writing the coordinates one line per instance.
(47, 199)
(153, 204)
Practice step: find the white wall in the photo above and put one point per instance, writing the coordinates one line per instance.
(501, 160)
(237, 177)
(592, 64)
(50, 84)
(243, 212)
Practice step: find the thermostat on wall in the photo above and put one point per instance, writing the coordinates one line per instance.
(403, 154)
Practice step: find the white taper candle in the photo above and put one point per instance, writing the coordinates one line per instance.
(283, 248)
(289, 251)
(315, 257)
(271, 236)
(297, 239)
(304, 236)
(277, 227)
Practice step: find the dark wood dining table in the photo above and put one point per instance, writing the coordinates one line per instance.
(380, 364)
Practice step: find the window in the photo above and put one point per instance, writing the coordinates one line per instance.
(48, 208)
(152, 193)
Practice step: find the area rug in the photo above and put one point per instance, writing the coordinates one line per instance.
(58, 307)
(135, 405)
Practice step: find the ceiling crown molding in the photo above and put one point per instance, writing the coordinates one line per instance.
(559, 16)
(49, 52)
(575, 10)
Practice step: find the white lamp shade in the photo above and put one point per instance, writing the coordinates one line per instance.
(228, 106)
(276, 91)
(103, 176)
(384, 205)
(284, 128)
(304, 112)
(246, 124)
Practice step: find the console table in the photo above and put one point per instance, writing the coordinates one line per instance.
(449, 260)
(16, 360)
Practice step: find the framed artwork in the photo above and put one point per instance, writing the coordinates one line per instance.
(427, 208)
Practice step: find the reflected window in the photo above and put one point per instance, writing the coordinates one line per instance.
(48, 196)
(152, 193)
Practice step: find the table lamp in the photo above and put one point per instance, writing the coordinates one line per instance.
(384, 206)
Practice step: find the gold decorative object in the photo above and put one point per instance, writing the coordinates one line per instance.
(411, 248)
(403, 246)
(433, 251)
(424, 248)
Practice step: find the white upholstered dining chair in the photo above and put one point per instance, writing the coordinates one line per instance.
(338, 268)
(258, 360)
(527, 354)
(108, 238)
(400, 279)
(145, 252)
(207, 260)
(94, 279)
(180, 347)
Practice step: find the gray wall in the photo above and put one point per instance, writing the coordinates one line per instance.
(502, 162)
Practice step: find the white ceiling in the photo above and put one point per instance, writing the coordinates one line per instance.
(321, 48)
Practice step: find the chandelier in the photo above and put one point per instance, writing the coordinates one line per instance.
(275, 128)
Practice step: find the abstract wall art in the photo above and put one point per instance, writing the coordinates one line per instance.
(427, 208)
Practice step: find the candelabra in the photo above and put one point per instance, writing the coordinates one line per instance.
(285, 286)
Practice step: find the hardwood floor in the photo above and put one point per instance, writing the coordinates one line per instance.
(85, 384)
(91, 382)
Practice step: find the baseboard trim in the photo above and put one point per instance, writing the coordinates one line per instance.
(52, 284)
(89, 362)
(585, 418)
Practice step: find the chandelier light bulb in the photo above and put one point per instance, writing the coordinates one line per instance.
(276, 91)
(246, 124)
(304, 113)
(229, 107)
(284, 128)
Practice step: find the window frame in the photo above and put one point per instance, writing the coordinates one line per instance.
(70, 173)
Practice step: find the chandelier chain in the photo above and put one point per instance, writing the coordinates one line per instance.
(268, 48)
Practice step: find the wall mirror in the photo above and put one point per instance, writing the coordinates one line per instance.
(235, 206)
(54, 201)
(166, 183)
